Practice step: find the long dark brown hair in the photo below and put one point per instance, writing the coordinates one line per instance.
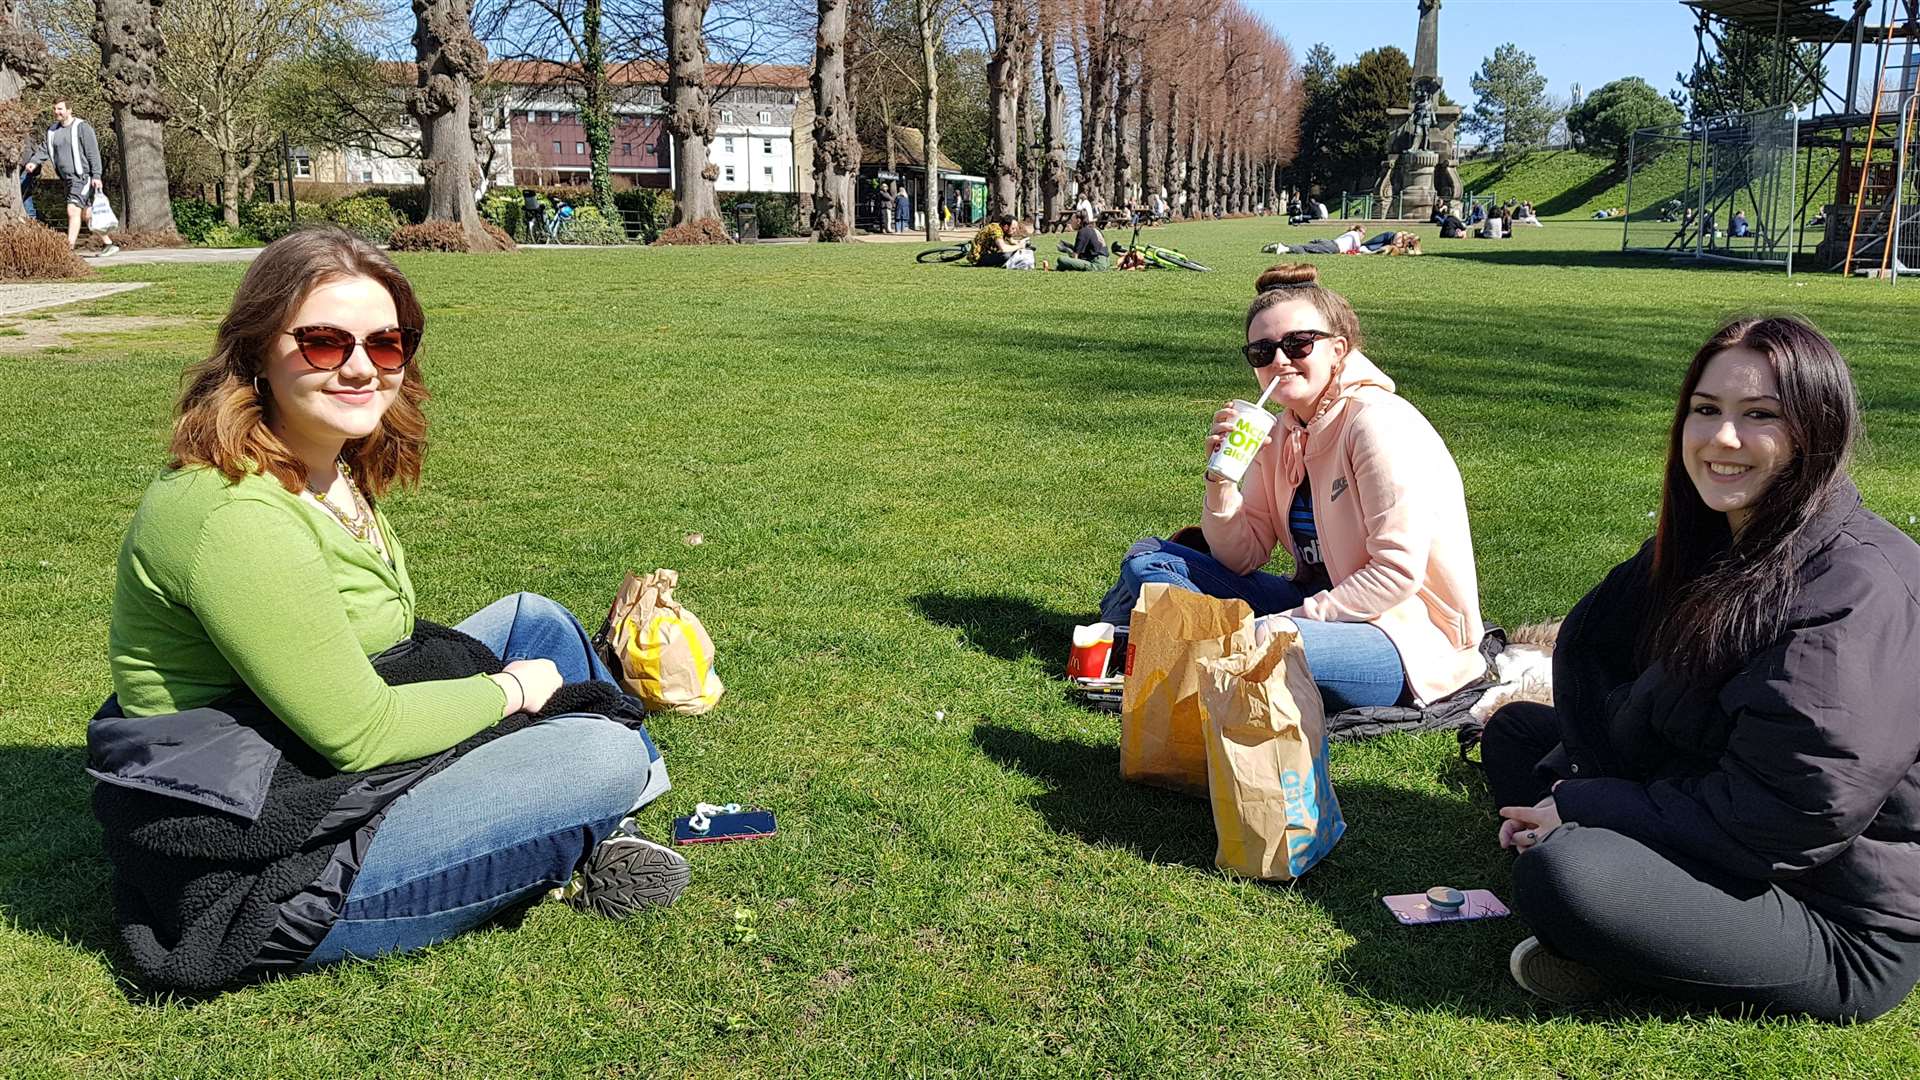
(222, 417)
(1717, 597)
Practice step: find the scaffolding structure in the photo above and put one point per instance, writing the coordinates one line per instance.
(1834, 186)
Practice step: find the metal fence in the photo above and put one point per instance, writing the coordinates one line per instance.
(1722, 188)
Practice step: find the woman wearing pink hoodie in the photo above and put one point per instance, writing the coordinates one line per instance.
(1362, 494)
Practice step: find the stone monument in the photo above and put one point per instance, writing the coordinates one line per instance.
(1419, 168)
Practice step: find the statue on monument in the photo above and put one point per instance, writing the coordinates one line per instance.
(1419, 170)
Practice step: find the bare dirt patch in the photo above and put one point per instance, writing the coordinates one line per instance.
(30, 334)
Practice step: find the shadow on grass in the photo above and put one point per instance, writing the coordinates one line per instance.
(53, 873)
(1397, 841)
(1007, 627)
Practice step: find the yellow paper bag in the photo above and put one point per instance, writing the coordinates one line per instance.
(1172, 630)
(1266, 739)
(658, 648)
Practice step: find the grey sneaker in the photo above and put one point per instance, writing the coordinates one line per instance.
(110, 249)
(628, 872)
(1554, 978)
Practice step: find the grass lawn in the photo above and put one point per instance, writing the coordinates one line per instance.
(911, 481)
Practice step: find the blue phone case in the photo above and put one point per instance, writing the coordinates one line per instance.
(746, 825)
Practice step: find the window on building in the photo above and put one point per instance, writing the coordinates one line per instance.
(766, 146)
(729, 174)
(727, 145)
(366, 176)
(626, 149)
(302, 165)
(766, 117)
(653, 148)
(554, 117)
(579, 148)
(532, 117)
(556, 147)
(768, 170)
(726, 116)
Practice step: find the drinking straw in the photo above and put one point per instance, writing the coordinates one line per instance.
(1267, 393)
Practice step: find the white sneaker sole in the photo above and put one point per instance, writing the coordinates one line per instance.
(1555, 979)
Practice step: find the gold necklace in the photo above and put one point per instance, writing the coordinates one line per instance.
(360, 524)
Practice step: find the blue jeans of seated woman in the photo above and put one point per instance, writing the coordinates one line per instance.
(1354, 664)
(507, 822)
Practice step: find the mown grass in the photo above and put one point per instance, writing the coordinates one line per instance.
(1573, 184)
(910, 481)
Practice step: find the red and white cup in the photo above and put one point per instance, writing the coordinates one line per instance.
(1092, 648)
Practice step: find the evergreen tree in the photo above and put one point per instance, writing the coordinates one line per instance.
(1320, 83)
(1380, 79)
(1749, 73)
(1512, 113)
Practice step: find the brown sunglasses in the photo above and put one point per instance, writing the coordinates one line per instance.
(326, 348)
(1295, 345)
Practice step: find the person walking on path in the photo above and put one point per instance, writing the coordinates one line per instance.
(74, 150)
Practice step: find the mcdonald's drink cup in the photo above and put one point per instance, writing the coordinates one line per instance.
(1251, 423)
(1092, 646)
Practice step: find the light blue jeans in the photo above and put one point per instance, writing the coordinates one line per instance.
(506, 822)
(1354, 664)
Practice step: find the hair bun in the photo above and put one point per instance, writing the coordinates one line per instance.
(1286, 276)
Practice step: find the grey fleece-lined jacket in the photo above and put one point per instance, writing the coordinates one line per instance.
(58, 148)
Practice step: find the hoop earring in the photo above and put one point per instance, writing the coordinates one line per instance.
(257, 391)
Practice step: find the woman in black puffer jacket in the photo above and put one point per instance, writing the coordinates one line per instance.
(1723, 803)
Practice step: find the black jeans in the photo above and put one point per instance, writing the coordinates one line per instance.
(1651, 918)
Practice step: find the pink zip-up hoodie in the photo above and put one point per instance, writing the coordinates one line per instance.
(1392, 517)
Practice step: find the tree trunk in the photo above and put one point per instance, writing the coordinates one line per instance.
(1006, 82)
(1029, 166)
(1053, 175)
(131, 46)
(1148, 174)
(596, 110)
(1175, 170)
(23, 66)
(836, 145)
(1125, 81)
(926, 18)
(448, 62)
(689, 117)
(1192, 174)
(230, 189)
(1096, 111)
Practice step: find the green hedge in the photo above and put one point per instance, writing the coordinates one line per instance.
(193, 218)
(369, 217)
(778, 213)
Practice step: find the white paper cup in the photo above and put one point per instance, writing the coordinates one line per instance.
(1251, 423)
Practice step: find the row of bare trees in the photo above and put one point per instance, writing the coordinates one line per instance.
(1196, 100)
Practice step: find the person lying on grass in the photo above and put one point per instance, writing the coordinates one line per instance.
(1352, 242)
(1363, 496)
(1723, 802)
(1001, 244)
(261, 579)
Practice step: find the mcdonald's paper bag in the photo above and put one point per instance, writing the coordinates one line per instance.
(660, 650)
(1173, 629)
(1266, 738)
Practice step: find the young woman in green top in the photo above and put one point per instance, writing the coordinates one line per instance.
(260, 561)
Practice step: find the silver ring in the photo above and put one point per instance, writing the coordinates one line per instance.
(1533, 834)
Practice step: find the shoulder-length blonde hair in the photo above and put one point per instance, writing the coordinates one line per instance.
(221, 420)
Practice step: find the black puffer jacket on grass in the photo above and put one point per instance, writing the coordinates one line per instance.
(234, 844)
(1803, 768)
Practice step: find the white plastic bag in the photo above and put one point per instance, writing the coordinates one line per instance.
(101, 217)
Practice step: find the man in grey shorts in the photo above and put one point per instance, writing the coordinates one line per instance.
(75, 152)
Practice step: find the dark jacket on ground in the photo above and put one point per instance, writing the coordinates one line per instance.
(1803, 768)
(234, 844)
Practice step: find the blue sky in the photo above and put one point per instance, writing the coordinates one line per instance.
(1590, 42)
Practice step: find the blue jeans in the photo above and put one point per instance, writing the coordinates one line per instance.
(1354, 664)
(506, 822)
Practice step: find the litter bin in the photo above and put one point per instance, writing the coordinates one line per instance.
(746, 222)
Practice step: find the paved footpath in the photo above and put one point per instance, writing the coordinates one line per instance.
(15, 299)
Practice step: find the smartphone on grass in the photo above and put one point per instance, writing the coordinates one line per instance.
(1418, 909)
(745, 825)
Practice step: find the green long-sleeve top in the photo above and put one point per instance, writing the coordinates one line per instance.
(227, 585)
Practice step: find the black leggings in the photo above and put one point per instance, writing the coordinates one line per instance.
(1679, 926)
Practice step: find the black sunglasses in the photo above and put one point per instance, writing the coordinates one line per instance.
(1296, 344)
(326, 348)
